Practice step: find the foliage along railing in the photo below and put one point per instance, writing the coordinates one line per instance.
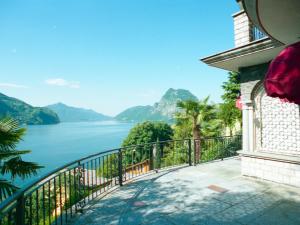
(219, 147)
(59, 195)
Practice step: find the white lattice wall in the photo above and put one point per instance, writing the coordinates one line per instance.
(277, 125)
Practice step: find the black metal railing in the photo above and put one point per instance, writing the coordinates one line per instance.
(59, 195)
(257, 34)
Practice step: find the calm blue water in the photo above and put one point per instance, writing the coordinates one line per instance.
(54, 145)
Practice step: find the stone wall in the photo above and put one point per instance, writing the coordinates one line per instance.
(281, 172)
(271, 132)
(250, 78)
(275, 124)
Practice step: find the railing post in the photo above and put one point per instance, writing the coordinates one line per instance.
(120, 167)
(81, 183)
(190, 152)
(195, 155)
(20, 210)
(157, 156)
(151, 158)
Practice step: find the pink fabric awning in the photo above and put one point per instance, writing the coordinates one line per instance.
(283, 77)
(238, 103)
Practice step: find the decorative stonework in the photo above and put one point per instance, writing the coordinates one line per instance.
(277, 125)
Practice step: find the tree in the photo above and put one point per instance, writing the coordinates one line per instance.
(141, 144)
(229, 114)
(11, 163)
(232, 87)
(143, 134)
(201, 115)
(183, 127)
(148, 132)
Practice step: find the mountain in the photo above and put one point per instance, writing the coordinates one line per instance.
(25, 113)
(72, 114)
(141, 113)
(163, 110)
(167, 105)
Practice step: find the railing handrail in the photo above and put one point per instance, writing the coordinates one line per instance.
(217, 137)
(154, 142)
(53, 172)
(23, 190)
(48, 176)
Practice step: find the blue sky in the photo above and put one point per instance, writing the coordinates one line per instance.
(113, 54)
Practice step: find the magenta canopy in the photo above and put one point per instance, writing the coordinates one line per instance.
(283, 76)
(238, 103)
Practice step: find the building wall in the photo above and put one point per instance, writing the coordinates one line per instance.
(242, 29)
(270, 127)
(250, 78)
(280, 172)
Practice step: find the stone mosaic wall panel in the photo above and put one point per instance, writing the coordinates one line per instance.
(277, 125)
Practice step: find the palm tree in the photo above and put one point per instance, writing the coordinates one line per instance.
(201, 115)
(11, 163)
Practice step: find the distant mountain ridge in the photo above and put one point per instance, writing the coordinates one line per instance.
(25, 113)
(163, 110)
(73, 114)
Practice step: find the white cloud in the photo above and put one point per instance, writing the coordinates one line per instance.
(62, 82)
(10, 85)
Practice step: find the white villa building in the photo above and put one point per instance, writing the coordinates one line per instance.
(271, 128)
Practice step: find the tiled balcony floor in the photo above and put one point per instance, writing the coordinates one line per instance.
(183, 197)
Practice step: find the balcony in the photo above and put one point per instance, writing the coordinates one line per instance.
(154, 183)
(251, 47)
(257, 34)
(58, 196)
(280, 19)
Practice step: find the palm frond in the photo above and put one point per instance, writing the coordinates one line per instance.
(6, 155)
(199, 115)
(6, 189)
(17, 167)
(11, 163)
(10, 134)
(190, 107)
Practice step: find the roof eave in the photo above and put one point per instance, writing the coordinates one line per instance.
(232, 59)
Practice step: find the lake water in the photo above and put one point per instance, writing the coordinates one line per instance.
(54, 145)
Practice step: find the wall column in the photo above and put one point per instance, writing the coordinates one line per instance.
(248, 131)
(245, 127)
(251, 126)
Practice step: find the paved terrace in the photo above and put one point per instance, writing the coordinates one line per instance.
(209, 194)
